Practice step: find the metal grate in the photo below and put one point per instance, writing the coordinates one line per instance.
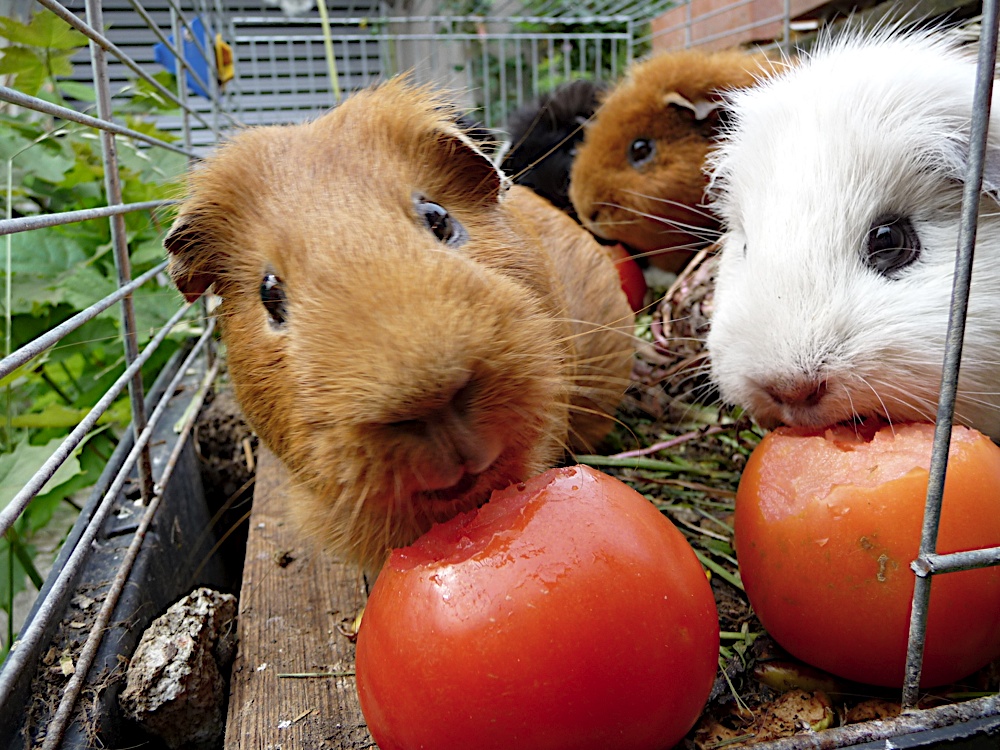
(495, 62)
(152, 474)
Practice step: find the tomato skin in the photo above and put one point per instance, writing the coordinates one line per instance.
(569, 614)
(829, 576)
(633, 280)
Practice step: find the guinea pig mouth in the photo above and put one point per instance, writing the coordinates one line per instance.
(456, 491)
(466, 494)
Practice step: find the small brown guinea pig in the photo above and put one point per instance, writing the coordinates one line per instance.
(404, 331)
(638, 175)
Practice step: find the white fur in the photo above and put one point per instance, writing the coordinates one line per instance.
(862, 128)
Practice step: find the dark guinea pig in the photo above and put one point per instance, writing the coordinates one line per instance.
(544, 136)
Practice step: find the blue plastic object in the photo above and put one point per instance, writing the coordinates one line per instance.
(192, 55)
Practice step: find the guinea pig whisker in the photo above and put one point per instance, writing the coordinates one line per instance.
(874, 390)
(708, 235)
(578, 409)
(627, 334)
(609, 388)
(693, 246)
(923, 407)
(358, 501)
(971, 396)
(669, 202)
(547, 154)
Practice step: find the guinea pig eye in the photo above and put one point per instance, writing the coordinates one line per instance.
(892, 245)
(442, 224)
(272, 295)
(640, 151)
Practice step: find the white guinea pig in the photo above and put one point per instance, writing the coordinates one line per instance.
(840, 184)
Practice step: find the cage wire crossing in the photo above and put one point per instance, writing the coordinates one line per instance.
(290, 64)
(133, 462)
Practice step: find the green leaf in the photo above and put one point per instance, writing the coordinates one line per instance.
(149, 128)
(13, 29)
(18, 467)
(45, 29)
(53, 415)
(120, 413)
(79, 91)
(152, 166)
(85, 286)
(25, 553)
(85, 180)
(61, 64)
(8, 560)
(30, 82)
(31, 293)
(45, 252)
(148, 253)
(19, 60)
(92, 463)
(11, 144)
(153, 307)
(49, 163)
(19, 372)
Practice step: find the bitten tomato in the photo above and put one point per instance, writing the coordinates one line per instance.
(565, 613)
(826, 528)
(633, 280)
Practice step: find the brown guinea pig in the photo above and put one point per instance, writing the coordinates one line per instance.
(638, 176)
(405, 332)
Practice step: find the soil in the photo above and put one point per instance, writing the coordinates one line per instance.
(227, 450)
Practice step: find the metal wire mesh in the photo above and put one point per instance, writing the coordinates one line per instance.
(22, 658)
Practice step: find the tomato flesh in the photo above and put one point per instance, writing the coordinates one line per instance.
(566, 613)
(826, 528)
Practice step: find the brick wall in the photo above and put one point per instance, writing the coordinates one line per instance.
(716, 24)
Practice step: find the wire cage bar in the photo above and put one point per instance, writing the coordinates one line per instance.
(493, 65)
(153, 480)
(923, 566)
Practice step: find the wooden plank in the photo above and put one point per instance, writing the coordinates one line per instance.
(293, 599)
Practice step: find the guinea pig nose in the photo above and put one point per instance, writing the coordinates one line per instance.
(804, 392)
(476, 448)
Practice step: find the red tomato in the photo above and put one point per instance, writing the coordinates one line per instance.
(826, 528)
(565, 613)
(633, 280)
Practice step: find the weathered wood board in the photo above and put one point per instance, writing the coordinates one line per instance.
(292, 602)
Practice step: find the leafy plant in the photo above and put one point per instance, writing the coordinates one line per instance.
(48, 275)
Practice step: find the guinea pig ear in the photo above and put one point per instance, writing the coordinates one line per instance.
(702, 108)
(190, 266)
(472, 168)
